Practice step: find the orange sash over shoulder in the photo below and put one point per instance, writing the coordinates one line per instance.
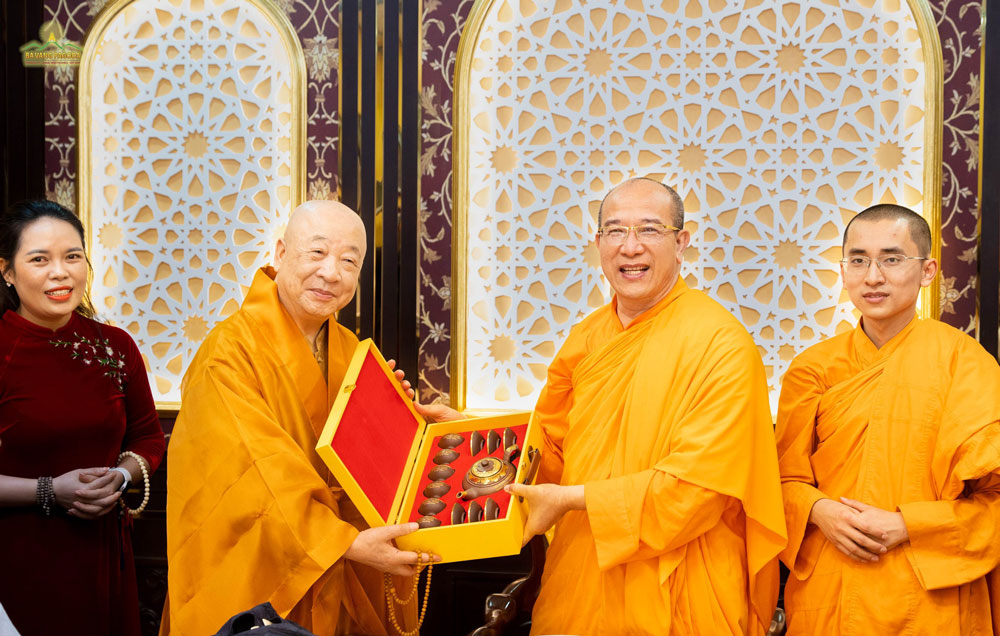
(667, 424)
(912, 427)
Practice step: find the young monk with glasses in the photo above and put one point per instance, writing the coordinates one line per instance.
(889, 448)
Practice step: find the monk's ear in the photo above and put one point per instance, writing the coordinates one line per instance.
(279, 254)
(928, 272)
(683, 240)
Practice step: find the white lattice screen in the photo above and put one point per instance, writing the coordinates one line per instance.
(775, 120)
(191, 159)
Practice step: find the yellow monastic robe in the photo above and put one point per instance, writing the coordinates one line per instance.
(911, 427)
(253, 514)
(667, 425)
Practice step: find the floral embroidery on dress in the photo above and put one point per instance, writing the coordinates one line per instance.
(97, 351)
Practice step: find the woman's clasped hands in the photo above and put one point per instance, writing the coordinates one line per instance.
(87, 493)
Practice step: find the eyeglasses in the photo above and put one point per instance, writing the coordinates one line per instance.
(858, 264)
(646, 233)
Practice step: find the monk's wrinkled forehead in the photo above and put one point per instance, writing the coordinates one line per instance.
(881, 236)
(637, 188)
(324, 221)
(652, 194)
(881, 218)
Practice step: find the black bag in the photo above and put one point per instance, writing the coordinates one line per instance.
(266, 620)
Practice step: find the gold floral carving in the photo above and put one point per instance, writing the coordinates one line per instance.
(775, 121)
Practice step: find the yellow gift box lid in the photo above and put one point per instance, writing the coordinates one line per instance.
(371, 437)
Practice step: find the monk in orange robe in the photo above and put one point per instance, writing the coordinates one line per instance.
(659, 450)
(253, 514)
(889, 447)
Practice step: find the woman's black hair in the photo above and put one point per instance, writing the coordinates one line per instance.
(12, 225)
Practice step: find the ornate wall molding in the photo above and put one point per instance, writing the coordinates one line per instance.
(775, 122)
(958, 22)
(192, 148)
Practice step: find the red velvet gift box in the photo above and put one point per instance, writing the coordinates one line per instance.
(397, 468)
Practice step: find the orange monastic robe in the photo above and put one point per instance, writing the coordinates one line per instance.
(253, 514)
(911, 427)
(667, 425)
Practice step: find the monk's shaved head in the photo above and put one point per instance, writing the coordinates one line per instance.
(652, 188)
(307, 220)
(920, 231)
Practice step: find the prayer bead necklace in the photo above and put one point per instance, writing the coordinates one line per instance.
(392, 599)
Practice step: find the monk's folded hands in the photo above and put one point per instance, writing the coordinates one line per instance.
(848, 531)
(887, 527)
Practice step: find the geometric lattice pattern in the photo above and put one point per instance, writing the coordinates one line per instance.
(774, 120)
(191, 136)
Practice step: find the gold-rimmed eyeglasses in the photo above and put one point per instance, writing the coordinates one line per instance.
(858, 264)
(645, 233)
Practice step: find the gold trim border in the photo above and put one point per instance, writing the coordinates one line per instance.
(298, 78)
(460, 197)
(930, 42)
(979, 166)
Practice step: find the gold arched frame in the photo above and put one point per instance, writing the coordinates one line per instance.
(297, 75)
(928, 304)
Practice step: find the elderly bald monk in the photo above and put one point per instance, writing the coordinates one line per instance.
(662, 478)
(253, 514)
(889, 447)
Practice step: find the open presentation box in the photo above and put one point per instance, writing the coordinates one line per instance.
(382, 453)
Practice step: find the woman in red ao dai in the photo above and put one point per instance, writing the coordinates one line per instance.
(73, 397)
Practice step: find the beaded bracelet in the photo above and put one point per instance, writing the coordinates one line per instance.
(45, 495)
(145, 482)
